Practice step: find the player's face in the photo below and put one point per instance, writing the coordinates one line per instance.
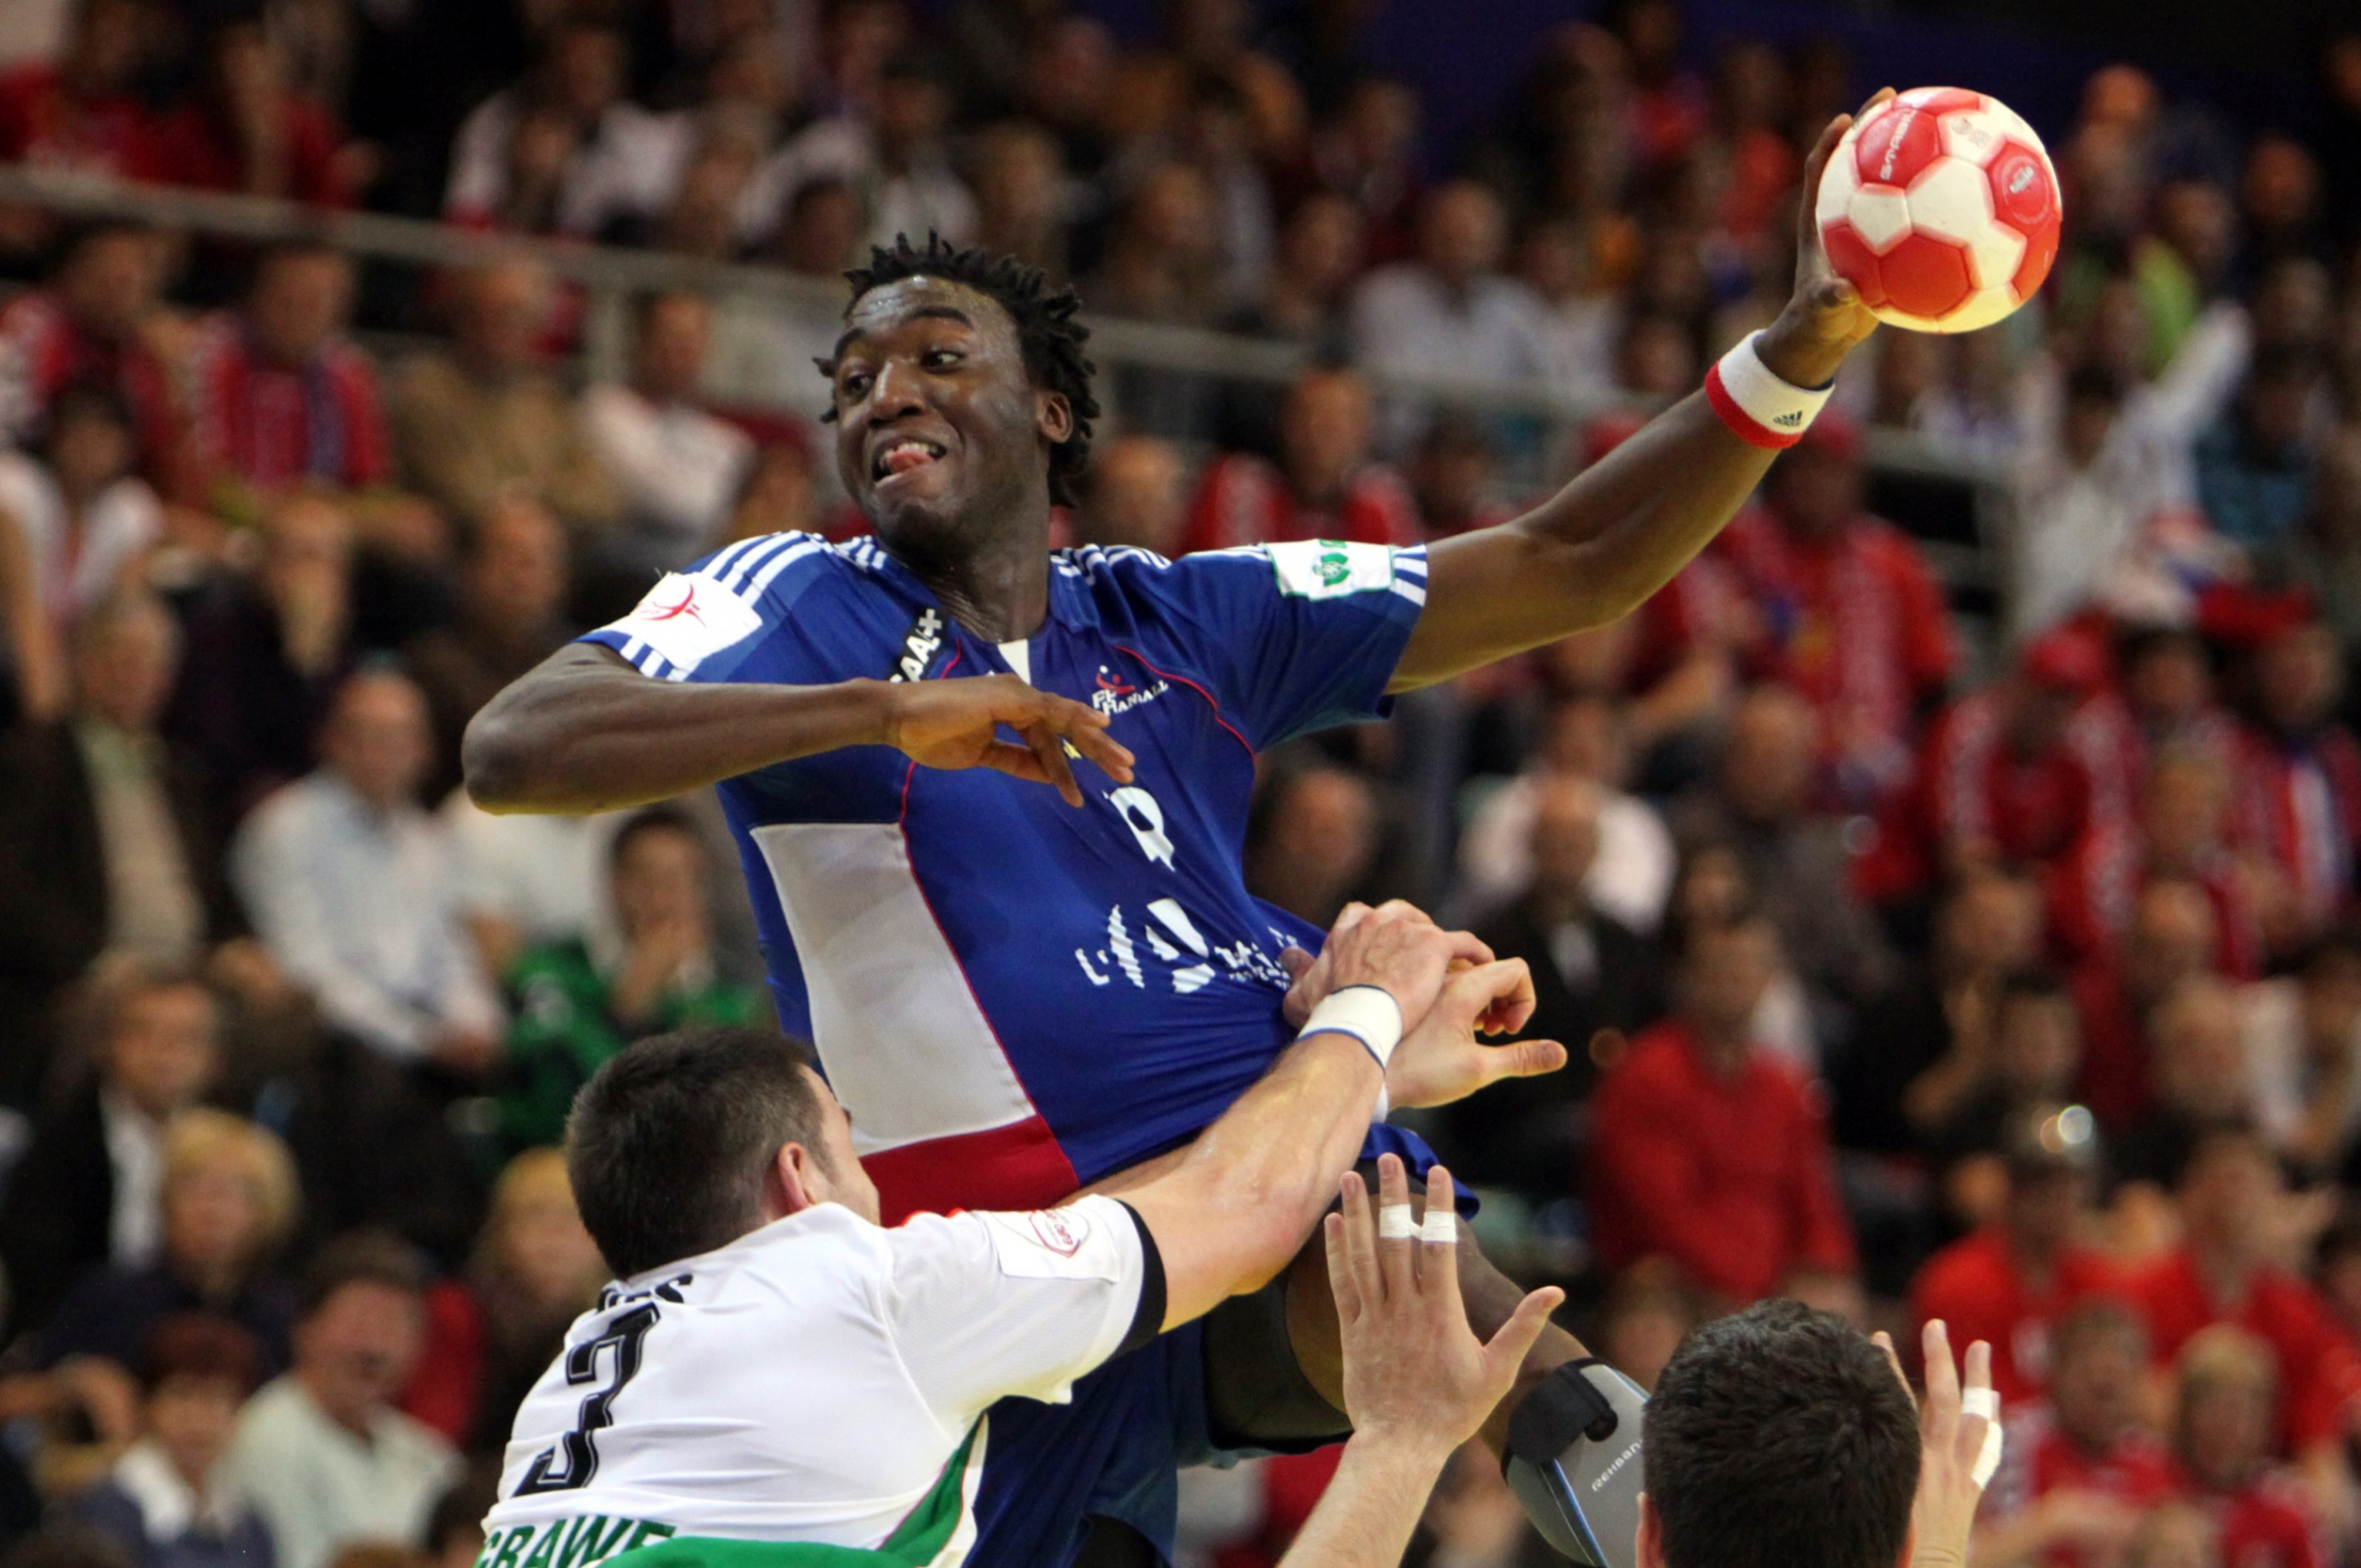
(941, 436)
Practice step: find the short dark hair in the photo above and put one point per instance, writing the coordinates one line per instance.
(200, 1345)
(2035, 983)
(654, 819)
(669, 1140)
(1781, 1438)
(363, 1257)
(1046, 330)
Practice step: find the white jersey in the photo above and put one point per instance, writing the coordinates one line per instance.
(814, 1381)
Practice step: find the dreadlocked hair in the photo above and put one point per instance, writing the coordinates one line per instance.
(1046, 332)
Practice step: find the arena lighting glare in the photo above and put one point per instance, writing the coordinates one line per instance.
(2071, 1129)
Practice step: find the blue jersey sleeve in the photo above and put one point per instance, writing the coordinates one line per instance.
(1298, 637)
(708, 622)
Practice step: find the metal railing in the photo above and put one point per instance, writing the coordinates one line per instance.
(610, 276)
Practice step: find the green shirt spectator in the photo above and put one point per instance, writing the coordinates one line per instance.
(577, 1006)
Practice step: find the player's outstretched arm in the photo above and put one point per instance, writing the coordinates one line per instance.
(1418, 1382)
(585, 731)
(1617, 533)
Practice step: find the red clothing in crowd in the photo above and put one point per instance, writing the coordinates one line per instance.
(1727, 1176)
(42, 349)
(42, 122)
(2091, 893)
(2118, 752)
(1245, 500)
(2299, 802)
(2040, 1459)
(2114, 1058)
(2319, 1367)
(196, 148)
(1975, 1285)
(272, 427)
(2268, 1524)
(448, 1383)
(1856, 623)
(1703, 605)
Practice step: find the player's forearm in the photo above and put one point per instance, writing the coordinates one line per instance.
(1366, 1516)
(585, 733)
(1238, 1207)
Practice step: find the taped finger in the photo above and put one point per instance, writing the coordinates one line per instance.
(1394, 1223)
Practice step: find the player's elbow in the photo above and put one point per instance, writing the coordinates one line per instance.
(497, 761)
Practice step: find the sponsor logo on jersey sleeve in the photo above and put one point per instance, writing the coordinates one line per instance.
(1327, 569)
(1052, 1243)
(687, 616)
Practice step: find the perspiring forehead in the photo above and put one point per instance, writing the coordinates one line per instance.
(893, 305)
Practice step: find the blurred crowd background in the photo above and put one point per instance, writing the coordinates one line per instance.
(1946, 886)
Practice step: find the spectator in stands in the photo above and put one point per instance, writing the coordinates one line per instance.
(2298, 789)
(1583, 736)
(109, 839)
(1366, 150)
(488, 416)
(2323, 554)
(1925, 1047)
(1161, 265)
(320, 1451)
(1999, 779)
(1132, 497)
(2162, 700)
(897, 159)
(2225, 1411)
(2196, 1056)
(493, 1331)
(577, 1006)
(94, 321)
(2173, 937)
(1856, 621)
(1450, 316)
(676, 466)
(2254, 470)
(2234, 1213)
(2079, 1466)
(2015, 1278)
(1022, 201)
(1302, 300)
(1796, 859)
(350, 886)
(1709, 1152)
(80, 112)
(281, 397)
(511, 588)
(165, 1501)
(86, 1190)
(1324, 486)
(1595, 981)
(1451, 476)
(2303, 1053)
(229, 1201)
(85, 525)
(246, 128)
(266, 653)
(564, 150)
(1313, 841)
(2035, 1055)
(2180, 834)
(2089, 496)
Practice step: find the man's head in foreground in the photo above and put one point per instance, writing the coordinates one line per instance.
(961, 396)
(1779, 1438)
(687, 1141)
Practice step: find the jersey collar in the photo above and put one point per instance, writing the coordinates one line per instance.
(1070, 573)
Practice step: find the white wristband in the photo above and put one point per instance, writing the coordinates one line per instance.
(1368, 1013)
(1756, 404)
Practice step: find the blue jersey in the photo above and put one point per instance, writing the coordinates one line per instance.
(1013, 997)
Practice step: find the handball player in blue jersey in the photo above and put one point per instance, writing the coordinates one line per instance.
(992, 799)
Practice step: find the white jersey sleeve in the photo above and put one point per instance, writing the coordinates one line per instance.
(982, 1306)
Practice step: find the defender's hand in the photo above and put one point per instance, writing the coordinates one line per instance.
(1416, 1375)
(1825, 317)
(1397, 949)
(1441, 1060)
(1310, 979)
(1943, 1516)
(956, 723)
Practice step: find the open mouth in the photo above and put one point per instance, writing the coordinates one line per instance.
(902, 456)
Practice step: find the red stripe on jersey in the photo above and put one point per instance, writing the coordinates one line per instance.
(1016, 1167)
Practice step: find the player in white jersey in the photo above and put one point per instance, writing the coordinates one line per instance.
(775, 1381)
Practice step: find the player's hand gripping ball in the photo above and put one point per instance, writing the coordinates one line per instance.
(1941, 207)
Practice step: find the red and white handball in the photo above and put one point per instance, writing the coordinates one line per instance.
(1941, 207)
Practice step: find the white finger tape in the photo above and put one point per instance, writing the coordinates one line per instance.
(1394, 1224)
(1985, 1403)
(1441, 1226)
